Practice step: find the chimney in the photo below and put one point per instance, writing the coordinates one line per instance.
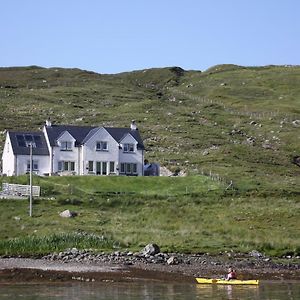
(48, 123)
(133, 125)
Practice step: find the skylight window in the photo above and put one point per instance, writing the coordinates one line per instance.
(25, 140)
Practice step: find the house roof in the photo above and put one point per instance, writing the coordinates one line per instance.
(119, 133)
(84, 133)
(78, 132)
(20, 142)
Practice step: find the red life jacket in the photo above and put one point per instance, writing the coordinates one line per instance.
(232, 275)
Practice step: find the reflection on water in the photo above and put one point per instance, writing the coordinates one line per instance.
(150, 290)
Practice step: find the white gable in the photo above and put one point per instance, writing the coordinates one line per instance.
(65, 137)
(8, 158)
(128, 139)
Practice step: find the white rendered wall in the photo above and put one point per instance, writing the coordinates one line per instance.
(8, 158)
(132, 157)
(89, 152)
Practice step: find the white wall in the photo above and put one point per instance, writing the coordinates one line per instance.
(89, 152)
(62, 155)
(136, 157)
(43, 164)
(8, 158)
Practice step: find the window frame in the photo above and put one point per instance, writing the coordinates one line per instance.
(129, 168)
(34, 163)
(66, 146)
(128, 148)
(66, 166)
(101, 146)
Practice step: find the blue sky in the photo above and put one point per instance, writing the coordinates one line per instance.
(111, 36)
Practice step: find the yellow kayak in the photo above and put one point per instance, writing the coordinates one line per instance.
(223, 281)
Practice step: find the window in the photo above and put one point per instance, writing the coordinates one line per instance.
(66, 146)
(102, 146)
(102, 166)
(112, 167)
(128, 148)
(66, 166)
(122, 171)
(25, 140)
(35, 165)
(128, 169)
(91, 166)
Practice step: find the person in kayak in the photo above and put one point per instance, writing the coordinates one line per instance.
(231, 274)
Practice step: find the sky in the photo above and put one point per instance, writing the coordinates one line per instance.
(113, 36)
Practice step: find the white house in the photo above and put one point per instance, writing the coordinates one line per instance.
(76, 150)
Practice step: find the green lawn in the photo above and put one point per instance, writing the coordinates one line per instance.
(202, 218)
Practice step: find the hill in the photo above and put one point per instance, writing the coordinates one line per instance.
(239, 123)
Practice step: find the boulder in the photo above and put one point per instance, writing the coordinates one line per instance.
(68, 214)
(150, 249)
(173, 260)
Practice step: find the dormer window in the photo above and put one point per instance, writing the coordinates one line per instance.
(128, 148)
(66, 146)
(102, 146)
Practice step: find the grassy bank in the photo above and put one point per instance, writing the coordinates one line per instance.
(191, 214)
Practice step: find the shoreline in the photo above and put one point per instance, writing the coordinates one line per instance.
(187, 267)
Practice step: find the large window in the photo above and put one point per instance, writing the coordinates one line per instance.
(66, 166)
(128, 169)
(66, 146)
(105, 167)
(128, 148)
(102, 146)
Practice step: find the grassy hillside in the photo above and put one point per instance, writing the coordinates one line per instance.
(236, 123)
(233, 121)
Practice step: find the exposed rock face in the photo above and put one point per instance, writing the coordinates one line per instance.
(68, 214)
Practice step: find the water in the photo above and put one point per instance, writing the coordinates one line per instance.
(149, 290)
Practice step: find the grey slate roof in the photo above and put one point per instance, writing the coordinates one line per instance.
(20, 143)
(78, 132)
(119, 133)
(83, 133)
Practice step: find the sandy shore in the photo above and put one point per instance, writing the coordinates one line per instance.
(27, 269)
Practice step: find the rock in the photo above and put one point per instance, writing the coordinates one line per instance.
(205, 152)
(296, 123)
(173, 260)
(296, 160)
(150, 250)
(267, 145)
(256, 254)
(250, 141)
(68, 214)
